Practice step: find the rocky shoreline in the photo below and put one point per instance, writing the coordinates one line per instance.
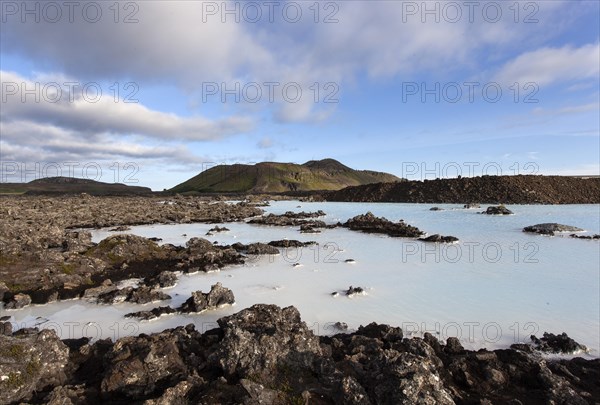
(47, 255)
(266, 354)
(521, 189)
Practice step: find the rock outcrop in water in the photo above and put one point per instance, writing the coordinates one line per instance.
(266, 354)
(436, 238)
(497, 210)
(216, 297)
(550, 228)
(369, 223)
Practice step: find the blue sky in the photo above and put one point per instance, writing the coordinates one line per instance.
(411, 87)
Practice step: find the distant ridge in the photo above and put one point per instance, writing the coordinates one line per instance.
(71, 185)
(273, 177)
(521, 189)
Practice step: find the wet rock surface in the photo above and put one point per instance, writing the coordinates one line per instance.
(266, 353)
(497, 210)
(371, 224)
(551, 227)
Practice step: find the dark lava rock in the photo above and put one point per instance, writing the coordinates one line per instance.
(256, 249)
(266, 354)
(551, 343)
(141, 295)
(137, 366)
(261, 249)
(471, 205)
(218, 229)
(6, 328)
(453, 346)
(121, 228)
(309, 228)
(265, 340)
(154, 239)
(17, 301)
(216, 297)
(436, 209)
(497, 210)
(589, 237)
(163, 279)
(288, 219)
(285, 243)
(371, 224)
(340, 325)
(550, 228)
(440, 239)
(30, 363)
(354, 291)
(152, 314)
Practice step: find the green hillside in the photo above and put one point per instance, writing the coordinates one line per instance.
(271, 177)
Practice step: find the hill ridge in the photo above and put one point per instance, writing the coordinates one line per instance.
(276, 177)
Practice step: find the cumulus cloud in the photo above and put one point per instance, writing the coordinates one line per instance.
(91, 114)
(190, 47)
(546, 66)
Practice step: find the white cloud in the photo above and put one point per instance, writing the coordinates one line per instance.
(105, 114)
(547, 65)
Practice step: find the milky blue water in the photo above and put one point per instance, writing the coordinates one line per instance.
(495, 287)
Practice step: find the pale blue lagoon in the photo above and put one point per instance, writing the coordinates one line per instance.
(497, 286)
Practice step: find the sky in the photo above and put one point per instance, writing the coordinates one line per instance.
(153, 92)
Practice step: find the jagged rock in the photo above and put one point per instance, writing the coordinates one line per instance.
(151, 314)
(550, 228)
(289, 219)
(439, 239)
(106, 287)
(453, 346)
(263, 340)
(371, 224)
(31, 362)
(498, 210)
(140, 295)
(17, 301)
(561, 343)
(352, 291)
(218, 229)
(589, 237)
(6, 328)
(472, 205)
(285, 243)
(437, 209)
(138, 366)
(256, 249)
(162, 280)
(216, 297)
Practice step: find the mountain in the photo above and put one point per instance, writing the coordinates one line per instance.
(71, 185)
(521, 189)
(272, 177)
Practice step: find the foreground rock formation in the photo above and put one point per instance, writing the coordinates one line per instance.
(266, 354)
